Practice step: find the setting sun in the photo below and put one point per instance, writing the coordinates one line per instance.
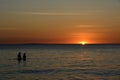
(83, 43)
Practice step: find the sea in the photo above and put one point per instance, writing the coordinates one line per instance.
(60, 62)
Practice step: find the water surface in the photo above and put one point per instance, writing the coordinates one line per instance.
(60, 62)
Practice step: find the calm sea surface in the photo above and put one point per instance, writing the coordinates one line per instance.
(60, 62)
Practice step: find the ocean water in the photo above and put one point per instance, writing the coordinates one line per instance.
(60, 62)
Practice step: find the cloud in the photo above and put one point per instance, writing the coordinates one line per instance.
(59, 13)
(82, 12)
(85, 26)
(51, 13)
(7, 28)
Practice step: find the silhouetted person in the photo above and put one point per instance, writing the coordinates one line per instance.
(24, 57)
(19, 57)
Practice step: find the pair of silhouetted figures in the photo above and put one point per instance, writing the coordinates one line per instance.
(19, 58)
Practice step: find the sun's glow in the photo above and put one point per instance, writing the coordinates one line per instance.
(83, 42)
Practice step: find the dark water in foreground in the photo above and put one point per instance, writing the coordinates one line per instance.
(60, 62)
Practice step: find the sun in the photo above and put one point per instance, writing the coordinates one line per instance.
(83, 42)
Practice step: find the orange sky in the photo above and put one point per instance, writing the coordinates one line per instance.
(59, 22)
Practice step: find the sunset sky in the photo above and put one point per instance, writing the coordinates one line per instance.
(59, 21)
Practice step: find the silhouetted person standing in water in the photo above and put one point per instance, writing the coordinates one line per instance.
(19, 57)
(24, 57)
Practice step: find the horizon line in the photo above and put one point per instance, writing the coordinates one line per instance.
(60, 44)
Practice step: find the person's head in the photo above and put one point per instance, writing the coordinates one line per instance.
(19, 52)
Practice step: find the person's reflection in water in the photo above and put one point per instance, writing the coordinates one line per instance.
(19, 57)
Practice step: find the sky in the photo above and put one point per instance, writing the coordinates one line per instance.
(59, 21)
